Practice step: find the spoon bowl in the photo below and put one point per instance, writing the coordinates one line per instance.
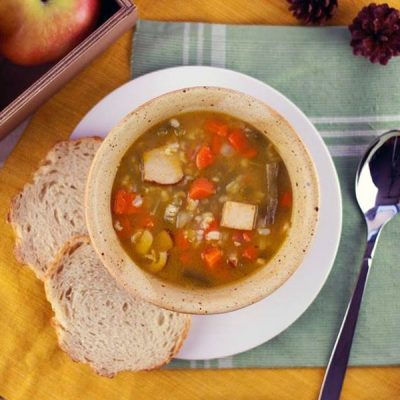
(378, 182)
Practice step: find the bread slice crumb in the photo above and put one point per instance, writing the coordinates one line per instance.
(99, 324)
(50, 210)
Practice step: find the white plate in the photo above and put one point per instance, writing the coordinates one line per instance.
(232, 333)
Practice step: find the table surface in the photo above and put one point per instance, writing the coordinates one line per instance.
(56, 120)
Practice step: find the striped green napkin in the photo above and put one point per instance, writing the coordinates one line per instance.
(350, 101)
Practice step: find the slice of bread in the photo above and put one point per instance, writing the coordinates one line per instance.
(49, 211)
(98, 323)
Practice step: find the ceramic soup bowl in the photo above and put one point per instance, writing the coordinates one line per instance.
(251, 288)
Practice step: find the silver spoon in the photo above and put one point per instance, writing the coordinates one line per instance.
(378, 195)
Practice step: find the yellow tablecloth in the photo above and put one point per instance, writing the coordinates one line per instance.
(31, 365)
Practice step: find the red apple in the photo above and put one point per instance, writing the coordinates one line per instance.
(34, 32)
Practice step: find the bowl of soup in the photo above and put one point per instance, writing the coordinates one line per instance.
(203, 200)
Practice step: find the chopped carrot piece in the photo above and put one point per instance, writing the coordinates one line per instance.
(216, 143)
(181, 241)
(185, 258)
(247, 236)
(201, 188)
(123, 227)
(286, 199)
(123, 203)
(145, 221)
(250, 253)
(217, 127)
(214, 225)
(204, 157)
(242, 236)
(212, 256)
(251, 152)
(237, 237)
(239, 141)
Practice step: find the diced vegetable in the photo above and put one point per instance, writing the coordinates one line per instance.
(181, 242)
(237, 215)
(157, 266)
(174, 123)
(212, 256)
(239, 141)
(163, 241)
(136, 235)
(217, 127)
(233, 259)
(144, 242)
(124, 203)
(286, 199)
(213, 226)
(170, 213)
(205, 157)
(213, 235)
(123, 227)
(201, 188)
(247, 236)
(251, 152)
(183, 218)
(250, 253)
(144, 220)
(192, 204)
(242, 236)
(162, 165)
(233, 187)
(272, 171)
(206, 219)
(138, 201)
(237, 236)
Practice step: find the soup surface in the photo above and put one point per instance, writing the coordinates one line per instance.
(201, 199)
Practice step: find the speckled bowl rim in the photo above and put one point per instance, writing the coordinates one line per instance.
(231, 296)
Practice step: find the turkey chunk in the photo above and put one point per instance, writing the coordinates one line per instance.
(237, 215)
(162, 165)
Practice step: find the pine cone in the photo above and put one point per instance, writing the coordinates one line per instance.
(313, 11)
(375, 33)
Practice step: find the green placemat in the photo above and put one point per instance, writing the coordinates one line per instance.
(350, 101)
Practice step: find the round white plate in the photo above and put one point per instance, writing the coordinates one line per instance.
(227, 334)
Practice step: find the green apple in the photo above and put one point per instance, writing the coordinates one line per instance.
(34, 32)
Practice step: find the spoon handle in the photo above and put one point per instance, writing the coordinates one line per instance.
(336, 370)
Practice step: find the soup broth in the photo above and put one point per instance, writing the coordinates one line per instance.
(202, 199)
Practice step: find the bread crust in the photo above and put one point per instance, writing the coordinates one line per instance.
(52, 268)
(70, 246)
(18, 251)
